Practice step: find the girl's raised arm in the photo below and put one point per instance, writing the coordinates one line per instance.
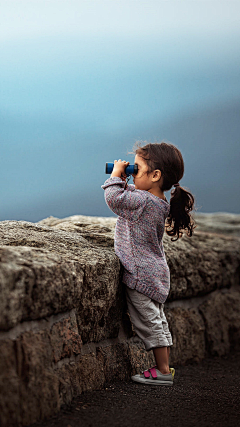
(123, 202)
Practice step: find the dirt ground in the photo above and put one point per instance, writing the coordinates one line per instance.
(203, 395)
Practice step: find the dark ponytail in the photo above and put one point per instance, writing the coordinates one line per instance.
(179, 219)
(168, 159)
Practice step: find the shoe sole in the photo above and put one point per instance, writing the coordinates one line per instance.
(153, 382)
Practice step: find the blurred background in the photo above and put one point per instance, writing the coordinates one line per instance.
(81, 81)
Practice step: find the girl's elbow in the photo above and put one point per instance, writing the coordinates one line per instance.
(109, 201)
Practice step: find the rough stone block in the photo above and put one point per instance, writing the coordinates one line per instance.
(139, 358)
(221, 314)
(99, 309)
(65, 339)
(202, 263)
(187, 329)
(115, 361)
(36, 284)
(45, 271)
(29, 387)
(10, 410)
(84, 375)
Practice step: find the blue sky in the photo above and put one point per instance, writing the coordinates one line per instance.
(26, 19)
(82, 80)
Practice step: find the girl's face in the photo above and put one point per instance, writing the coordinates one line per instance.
(142, 180)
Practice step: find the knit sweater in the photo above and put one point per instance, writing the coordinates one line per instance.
(138, 237)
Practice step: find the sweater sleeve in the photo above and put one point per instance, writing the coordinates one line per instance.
(126, 203)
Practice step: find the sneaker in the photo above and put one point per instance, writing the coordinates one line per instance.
(154, 377)
(172, 370)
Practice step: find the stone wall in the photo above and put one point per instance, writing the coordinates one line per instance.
(64, 326)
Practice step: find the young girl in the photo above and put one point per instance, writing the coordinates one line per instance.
(142, 211)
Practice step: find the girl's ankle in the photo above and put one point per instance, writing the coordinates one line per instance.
(164, 370)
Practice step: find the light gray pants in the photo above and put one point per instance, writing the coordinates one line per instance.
(148, 319)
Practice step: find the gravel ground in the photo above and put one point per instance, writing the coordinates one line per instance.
(203, 395)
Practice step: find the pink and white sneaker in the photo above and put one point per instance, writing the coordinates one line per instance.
(154, 377)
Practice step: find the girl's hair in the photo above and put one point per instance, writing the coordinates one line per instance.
(168, 159)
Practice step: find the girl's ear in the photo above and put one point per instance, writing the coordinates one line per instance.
(157, 175)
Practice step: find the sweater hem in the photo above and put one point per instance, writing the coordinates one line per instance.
(147, 290)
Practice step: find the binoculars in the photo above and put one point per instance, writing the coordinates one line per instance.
(130, 169)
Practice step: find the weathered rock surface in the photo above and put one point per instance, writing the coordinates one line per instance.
(63, 322)
(187, 327)
(199, 265)
(218, 222)
(221, 315)
(44, 271)
(99, 230)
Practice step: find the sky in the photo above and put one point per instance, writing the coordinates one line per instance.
(43, 18)
(81, 81)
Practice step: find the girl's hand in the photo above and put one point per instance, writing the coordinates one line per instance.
(119, 169)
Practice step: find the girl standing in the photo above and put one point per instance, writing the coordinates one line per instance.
(143, 215)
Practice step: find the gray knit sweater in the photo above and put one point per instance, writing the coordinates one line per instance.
(138, 237)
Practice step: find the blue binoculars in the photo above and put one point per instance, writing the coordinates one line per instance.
(130, 169)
